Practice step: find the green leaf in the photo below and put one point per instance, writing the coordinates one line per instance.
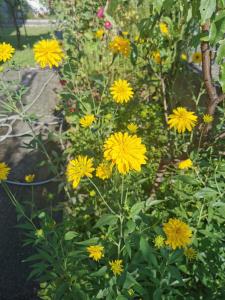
(217, 28)
(157, 4)
(157, 294)
(187, 179)
(133, 54)
(70, 235)
(130, 281)
(136, 208)
(151, 202)
(147, 252)
(222, 77)
(206, 193)
(88, 242)
(100, 272)
(121, 297)
(107, 219)
(112, 7)
(207, 8)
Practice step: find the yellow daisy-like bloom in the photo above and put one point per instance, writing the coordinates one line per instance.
(104, 170)
(159, 241)
(197, 57)
(99, 34)
(4, 171)
(190, 253)
(48, 53)
(178, 233)
(156, 57)
(183, 56)
(182, 119)
(87, 121)
(29, 178)
(78, 168)
(127, 152)
(121, 91)
(164, 28)
(132, 127)
(207, 118)
(95, 252)
(120, 45)
(6, 51)
(117, 266)
(185, 164)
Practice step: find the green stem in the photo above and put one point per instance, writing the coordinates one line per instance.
(16, 203)
(111, 210)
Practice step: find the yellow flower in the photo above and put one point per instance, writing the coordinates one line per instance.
(127, 152)
(48, 53)
(117, 266)
(181, 119)
(29, 178)
(4, 171)
(197, 57)
(6, 51)
(120, 45)
(132, 127)
(121, 91)
(125, 33)
(178, 233)
(104, 170)
(99, 34)
(190, 253)
(164, 28)
(78, 168)
(92, 193)
(159, 241)
(185, 164)
(183, 56)
(95, 252)
(39, 233)
(207, 118)
(156, 57)
(87, 120)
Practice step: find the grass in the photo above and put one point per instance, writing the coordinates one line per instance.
(24, 57)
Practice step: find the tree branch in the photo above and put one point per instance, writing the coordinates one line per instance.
(214, 99)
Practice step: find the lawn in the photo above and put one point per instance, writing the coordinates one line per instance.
(24, 57)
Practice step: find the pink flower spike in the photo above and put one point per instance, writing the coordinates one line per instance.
(108, 25)
(100, 13)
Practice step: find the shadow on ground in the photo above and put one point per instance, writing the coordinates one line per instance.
(14, 272)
